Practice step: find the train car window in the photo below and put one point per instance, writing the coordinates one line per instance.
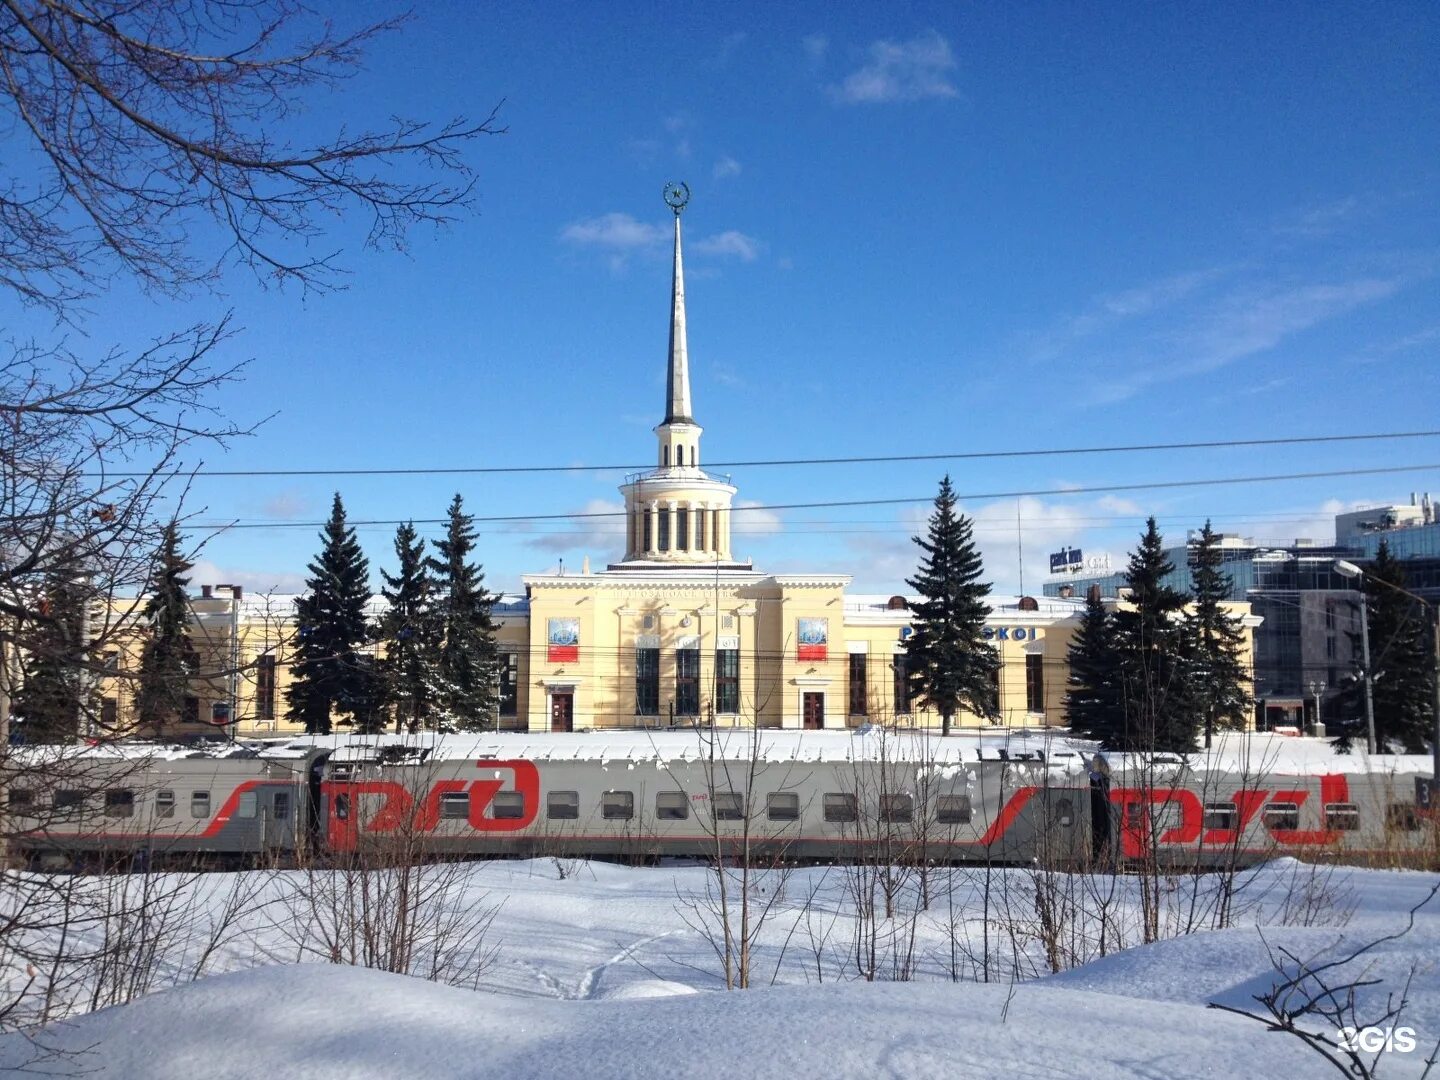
(1219, 815)
(508, 806)
(1062, 811)
(247, 805)
(729, 806)
(67, 799)
(1342, 816)
(1401, 816)
(562, 805)
(20, 800)
(342, 807)
(952, 810)
(672, 805)
(119, 802)
(455, 806)
(840, 807)
(782, 806)
(897, 808)
(282, 806)
(199, 804)
(1282, 815)
(164, 804)
(617, 805)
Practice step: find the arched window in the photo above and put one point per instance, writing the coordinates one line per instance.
(679, 455)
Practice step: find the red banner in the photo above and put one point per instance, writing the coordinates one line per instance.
(811, 652)
(561, 654)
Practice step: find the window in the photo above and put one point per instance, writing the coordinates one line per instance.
(111, 660)
(782, 806)
(20, 800)
(247, 804)
(508, 806)
(190, 711)
(859, 693)
(664, 530)
(67, 799)
(1219, 815)
(282, 806)
(200, 804)
(952, 809)
(1282, 815)
(1062, 812)
(672, 805)
(729, 806)
(509, 683)
(562, 805)
(1034, 682)
(119, 802)
(109, 713)
(647, 682)
(265, 687)
(342, 807)
(682, 528)
(700, 516)
(687, 682)
(645, 517)
(1342, 816)
(1401, 816)
(902, 683)
(455, 806)
(896, 808)
(617, 805)
(164, 804)
(840, 807)
(727, 680)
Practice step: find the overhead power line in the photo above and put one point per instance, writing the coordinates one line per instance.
(911, 501)
(962, 455)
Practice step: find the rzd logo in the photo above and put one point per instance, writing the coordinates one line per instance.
(1372, 1040)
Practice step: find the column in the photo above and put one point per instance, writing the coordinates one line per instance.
(654, 512)
(674, 524)
(697, 533)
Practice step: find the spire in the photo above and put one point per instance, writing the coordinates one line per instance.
(677, 382)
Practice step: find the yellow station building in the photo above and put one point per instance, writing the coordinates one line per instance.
(678, 628)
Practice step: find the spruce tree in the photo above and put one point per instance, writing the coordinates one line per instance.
(54, 692)
(1215, 643)
(469, 660)
(410, 635)
(168, 660)
(1155, 677)
(1402, 656)
(329, 673)
(949, 663)
(1094, 707)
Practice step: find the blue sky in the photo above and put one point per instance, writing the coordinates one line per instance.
(914, 229)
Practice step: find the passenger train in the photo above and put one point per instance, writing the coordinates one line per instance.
(759, 795)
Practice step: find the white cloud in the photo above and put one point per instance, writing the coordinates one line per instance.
(205, 572)
(585, 533)
(728, 243)
(747, 520)
(815, 46)
(618, 232)
(901, 71)
(726, 167)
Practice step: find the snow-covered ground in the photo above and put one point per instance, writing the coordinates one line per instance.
(607, 971)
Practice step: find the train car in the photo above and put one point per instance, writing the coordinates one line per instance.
(161, 804)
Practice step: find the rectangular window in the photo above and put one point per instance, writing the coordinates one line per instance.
(282, 806)
(265, 687)
(647, 682)
(645, 519)
(840, 807)
(953, 809)
(896, 808)
(190, 711)
(1034, 682)
(1342, 816)
(687, 682)
(562, 806)
(112, 660)
(1401, 816)
(672, 805)
(727, 680)
(902, 684)
(199, 804)
(1219, 815)
(164, 804)
(247, 805)
(1063, 812)
(1282, 815)
(455, 806)
(729, 806)
(509, 683)
(682, 529)
(109, 713)
(67, 799)
(664, 530)
(617, 805)
(859, 693)
(700, 530)
(782, 806)
(20, 800)
(119, 802)
(508, 806)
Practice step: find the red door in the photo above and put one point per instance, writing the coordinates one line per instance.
(813, 711)
(562, 712)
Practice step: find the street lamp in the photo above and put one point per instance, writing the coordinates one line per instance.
(1318, 689)
(1350, 570)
